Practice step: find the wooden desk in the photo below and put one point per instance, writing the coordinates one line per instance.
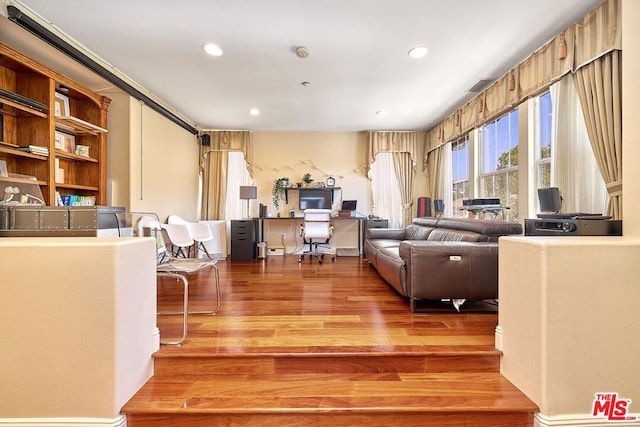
(363, 223)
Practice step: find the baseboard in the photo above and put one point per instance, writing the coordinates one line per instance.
(347, 252)
(578, 420)
(156, 339)
(498, 338)
(120, 421)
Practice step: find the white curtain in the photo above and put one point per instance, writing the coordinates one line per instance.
(573, 168)
(237, 175)
(446, 183)
(387, 202)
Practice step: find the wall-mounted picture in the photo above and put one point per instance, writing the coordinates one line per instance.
(65, 142)
(62, 105)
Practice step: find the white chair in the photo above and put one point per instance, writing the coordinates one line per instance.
(199, 232)
(179, 239)
(316, 231)
(148, 225)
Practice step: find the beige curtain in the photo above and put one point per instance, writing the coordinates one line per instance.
(405, 171)
(395, 142)
(433, 171)
(599, 86)
(213, 168)
(214, 185)
(404, 146)
(594, 35)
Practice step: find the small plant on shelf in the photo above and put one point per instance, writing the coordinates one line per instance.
(307, 178)
(279, 186)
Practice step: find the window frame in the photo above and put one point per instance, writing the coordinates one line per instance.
(481, 176)
(458, 212)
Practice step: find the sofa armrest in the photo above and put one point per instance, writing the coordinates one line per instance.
(385, 233)
(446, 269)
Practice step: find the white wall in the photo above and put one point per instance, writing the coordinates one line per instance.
(78, 330)
(339, 154)
(153, 163)
(118, 151)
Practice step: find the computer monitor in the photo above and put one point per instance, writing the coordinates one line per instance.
(349, 205)
(315, 198)
(549, 199)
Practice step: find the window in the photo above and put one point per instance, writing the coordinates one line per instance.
(499, 161)
(460, 173)
(543, 116)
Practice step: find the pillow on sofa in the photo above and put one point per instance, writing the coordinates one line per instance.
(417, 232)
(443, 234)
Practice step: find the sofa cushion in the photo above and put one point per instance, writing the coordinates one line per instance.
(443, 234)
(392, 269)
(417, 232)
(485, 227)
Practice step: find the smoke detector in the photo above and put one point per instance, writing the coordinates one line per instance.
(302, 52)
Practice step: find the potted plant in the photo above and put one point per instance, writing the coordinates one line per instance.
(307, 178)
(279, 186)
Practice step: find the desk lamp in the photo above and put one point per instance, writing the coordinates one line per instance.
(248, 192)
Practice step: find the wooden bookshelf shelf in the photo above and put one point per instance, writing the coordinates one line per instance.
(15, 152)
(76, 187)
(18, 106)
(77, 126)
(28, 94)
(70, 156)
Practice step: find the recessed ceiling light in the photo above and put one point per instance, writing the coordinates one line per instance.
(381, 113)
(254, 111)
(418, 52)
(212, 49)
(305, 84)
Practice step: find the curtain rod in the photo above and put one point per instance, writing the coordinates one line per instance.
(31, 25)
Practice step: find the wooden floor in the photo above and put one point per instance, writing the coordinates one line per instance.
(332, 344)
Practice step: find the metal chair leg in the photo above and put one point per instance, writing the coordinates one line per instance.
(210, 312)
(217, 308)
(185, 310)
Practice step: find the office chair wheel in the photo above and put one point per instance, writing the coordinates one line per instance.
(321, 259)
(300, 258)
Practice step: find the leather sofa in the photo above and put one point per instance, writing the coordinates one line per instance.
(440, 258)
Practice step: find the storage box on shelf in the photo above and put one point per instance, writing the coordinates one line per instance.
(28, 116)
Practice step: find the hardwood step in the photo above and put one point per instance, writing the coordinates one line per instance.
(425, 399)
(328, 363)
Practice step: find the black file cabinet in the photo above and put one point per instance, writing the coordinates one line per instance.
(243, 239)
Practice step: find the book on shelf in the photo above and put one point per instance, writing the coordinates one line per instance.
(23, 100)
(74, 200)
(35, 149)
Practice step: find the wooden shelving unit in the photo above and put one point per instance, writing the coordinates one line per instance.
(23, 125)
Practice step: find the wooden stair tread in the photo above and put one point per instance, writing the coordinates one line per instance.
(442, 392)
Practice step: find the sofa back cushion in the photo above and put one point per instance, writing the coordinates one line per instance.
(444, 234)
(417, 232)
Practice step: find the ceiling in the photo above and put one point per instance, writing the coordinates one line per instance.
(357, 63)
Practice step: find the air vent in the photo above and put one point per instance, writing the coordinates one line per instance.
(480, 85)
